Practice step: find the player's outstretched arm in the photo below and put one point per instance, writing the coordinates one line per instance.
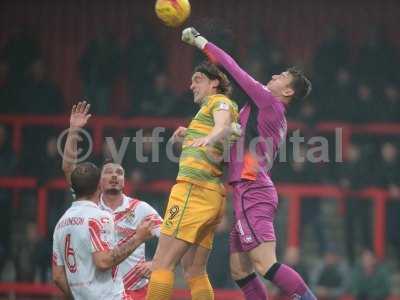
(105, 260)
(252, 87)
(220, 131)
(79, 117)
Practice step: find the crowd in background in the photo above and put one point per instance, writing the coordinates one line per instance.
(349, 85)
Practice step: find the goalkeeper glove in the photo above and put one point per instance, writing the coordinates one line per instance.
(192, 37)
(236, 132)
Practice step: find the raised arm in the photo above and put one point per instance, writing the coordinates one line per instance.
(78, 119)
(220, 131)
(254, 89)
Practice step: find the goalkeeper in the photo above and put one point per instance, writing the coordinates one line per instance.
(255, 200)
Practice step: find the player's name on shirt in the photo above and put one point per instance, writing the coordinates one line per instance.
(73, 221)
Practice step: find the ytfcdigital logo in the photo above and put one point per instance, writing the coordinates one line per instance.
(151, 147)
(78, 136)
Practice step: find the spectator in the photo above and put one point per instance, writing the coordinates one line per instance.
(3, 73)
(364, 105)
(216, 30)
(304, 171)
(330, 276)
(39, 95)
(338, 95)
(9, 90)
(377, 59)
(50, 165)
(8, 164)
(46, 163)
(184, 105)
(259, 46)
(256, 68)
(306, 113)
(351, 175)
(20, 51)
(5, 96)
(390, 104)
(332, 53)
(58, 203)
(387, 170)
(32, 254)
(100, 66)
(143, 60)
(150, 156)
(157, 100)
(276, 62)
(8, 160)
(140, 189)
(370, 279)
(135, 180)
(264, 55)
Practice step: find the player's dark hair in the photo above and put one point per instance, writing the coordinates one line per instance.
(85, 179)
(301, 84)
(107, 161)
(213, 72)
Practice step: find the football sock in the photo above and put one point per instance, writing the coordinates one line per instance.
(160, 285)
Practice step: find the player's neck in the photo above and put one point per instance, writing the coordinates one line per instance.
(284, 100)
(204, 101)
(112, 201)
(89, 199)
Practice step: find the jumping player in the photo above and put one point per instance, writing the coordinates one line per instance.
(263, 123)
(196, 203)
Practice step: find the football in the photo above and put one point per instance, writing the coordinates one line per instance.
(172, 12)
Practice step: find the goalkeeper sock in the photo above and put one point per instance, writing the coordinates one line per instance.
(289, 282)
(252, 287)
(200, 288)
(161, 285)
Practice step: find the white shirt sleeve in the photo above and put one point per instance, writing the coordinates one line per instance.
(101, 232)
(58, 258)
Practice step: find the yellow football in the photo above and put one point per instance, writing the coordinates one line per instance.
(172, 12)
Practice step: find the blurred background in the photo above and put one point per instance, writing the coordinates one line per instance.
(338, 222)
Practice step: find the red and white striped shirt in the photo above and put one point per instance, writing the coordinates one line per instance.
(127, 218)
(81, 231)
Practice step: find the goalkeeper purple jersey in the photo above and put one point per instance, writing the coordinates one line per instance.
(262, 120)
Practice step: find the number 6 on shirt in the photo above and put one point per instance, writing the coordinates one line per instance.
(69, 255)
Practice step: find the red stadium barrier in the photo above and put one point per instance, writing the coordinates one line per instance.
(296, 192)
(98, 125)
(32, 289)
(293, 192)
